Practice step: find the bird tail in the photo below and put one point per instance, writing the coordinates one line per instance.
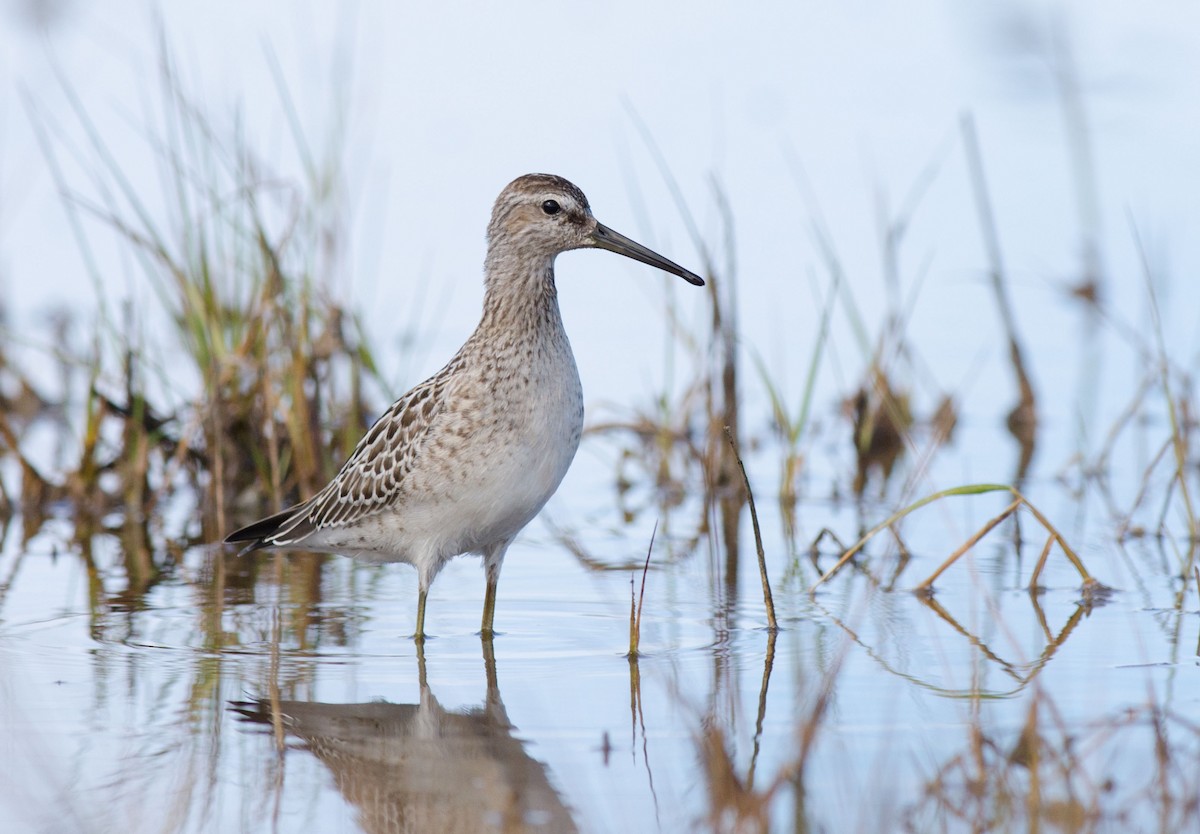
(269, 532)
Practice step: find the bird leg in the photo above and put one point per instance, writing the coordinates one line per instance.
(493, 559)
(489, 603)
(420, 635)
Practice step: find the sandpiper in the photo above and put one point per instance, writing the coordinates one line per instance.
(462, 462)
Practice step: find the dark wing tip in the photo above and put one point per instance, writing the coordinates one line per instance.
(253, 712)
(256, 535)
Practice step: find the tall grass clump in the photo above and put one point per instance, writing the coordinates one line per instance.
(255, 389)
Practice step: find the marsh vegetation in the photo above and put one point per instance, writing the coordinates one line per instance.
(834, 623)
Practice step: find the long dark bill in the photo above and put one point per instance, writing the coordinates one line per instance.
(606, 238)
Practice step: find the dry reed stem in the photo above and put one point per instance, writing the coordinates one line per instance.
(635, 611)
(768, 598)
(1089, 583)
(926, 586)
(1023, 417)
(1041, 563)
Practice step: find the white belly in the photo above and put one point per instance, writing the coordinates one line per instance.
(511, 485)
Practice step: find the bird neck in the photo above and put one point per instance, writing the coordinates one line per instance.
(519, 292)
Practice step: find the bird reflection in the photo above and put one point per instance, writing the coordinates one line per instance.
(420, 767)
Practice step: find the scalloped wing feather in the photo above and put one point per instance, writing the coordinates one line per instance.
(372, 476)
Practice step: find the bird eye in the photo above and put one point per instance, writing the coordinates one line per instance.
(551, 207)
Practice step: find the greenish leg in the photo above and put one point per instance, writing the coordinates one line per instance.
(420, 635)
(493, 559)
(489, 605)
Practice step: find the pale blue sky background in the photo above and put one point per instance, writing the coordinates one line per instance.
(450, 101)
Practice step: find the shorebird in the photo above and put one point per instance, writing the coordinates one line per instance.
(462, 462)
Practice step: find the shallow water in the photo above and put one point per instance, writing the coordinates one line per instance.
(281, 692)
